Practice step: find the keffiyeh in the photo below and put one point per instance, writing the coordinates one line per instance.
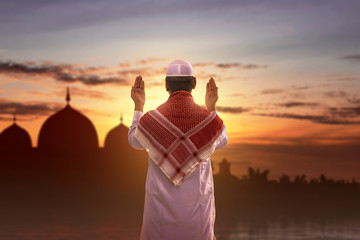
(179, 134)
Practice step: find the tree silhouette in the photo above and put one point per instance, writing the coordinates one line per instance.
(284, 179)
(300, 179)
(255, 196)
(257, 177)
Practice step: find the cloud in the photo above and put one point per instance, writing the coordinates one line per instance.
(336, 94)
(92, 76)
(292, 91)
(75, 91)
(298, 104)
(202, 64)
(38, 108)
(5, 119)
(240, 65)
(347, 115)
(29, 68)
(297, 87)
(61, 72)
(355, 58)
(272, 91)
(323, 119)
(354, 100)
(344, 112)
(309, 139)
(150, 61)
(146, 71)
(237, 95)
(207, 76)
(232, 109)
(230, 65)
(91, 79)
(124, 65)
(348, 79)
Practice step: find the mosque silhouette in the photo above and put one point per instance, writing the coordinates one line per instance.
(66, 132)
(68, 170)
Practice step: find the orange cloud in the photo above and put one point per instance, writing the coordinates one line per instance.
(272, 91)
(28, 108)
(150, 61)
(336, 117)
(232, 109)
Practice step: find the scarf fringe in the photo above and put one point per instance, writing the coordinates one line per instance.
(204, 153)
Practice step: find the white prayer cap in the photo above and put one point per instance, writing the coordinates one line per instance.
(179, 68)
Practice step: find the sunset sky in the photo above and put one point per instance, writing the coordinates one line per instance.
(288, 72)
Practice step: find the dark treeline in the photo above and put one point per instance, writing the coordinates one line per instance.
(255, 196)
(106, 185)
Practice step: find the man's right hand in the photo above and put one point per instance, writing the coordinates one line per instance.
(211, 95)
(138, 93)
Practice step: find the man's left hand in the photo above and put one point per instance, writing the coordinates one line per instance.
(138, 93)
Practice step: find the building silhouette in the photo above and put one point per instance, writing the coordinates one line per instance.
(224, 167)
(68, 171)
(68, 131)
(15, 139)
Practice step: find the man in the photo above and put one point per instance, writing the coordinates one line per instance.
(180, 136)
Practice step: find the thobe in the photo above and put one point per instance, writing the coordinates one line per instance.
(177, 212)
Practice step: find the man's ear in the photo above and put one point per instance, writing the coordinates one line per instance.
(166, 86)
(194, 83)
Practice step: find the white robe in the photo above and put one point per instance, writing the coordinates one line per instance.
(177, 212)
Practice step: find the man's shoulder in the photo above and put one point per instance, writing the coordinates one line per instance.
(150, 112)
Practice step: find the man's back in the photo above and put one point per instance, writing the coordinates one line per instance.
(180, 136)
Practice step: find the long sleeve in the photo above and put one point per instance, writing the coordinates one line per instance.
(131, 135)
(224, 141)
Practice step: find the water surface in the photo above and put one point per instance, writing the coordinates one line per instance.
(348, 229)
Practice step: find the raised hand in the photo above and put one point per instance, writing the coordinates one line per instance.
(211, 95)
(138, 93)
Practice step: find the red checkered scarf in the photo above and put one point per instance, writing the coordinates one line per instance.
(179, 134)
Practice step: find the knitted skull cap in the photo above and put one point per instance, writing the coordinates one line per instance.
(179, 68)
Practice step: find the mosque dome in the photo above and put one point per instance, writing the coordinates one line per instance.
(131, 163)
(68, 131)
(15, 139)
(117, 138)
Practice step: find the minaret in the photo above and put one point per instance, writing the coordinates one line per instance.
(67, 95)
(121, 118)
